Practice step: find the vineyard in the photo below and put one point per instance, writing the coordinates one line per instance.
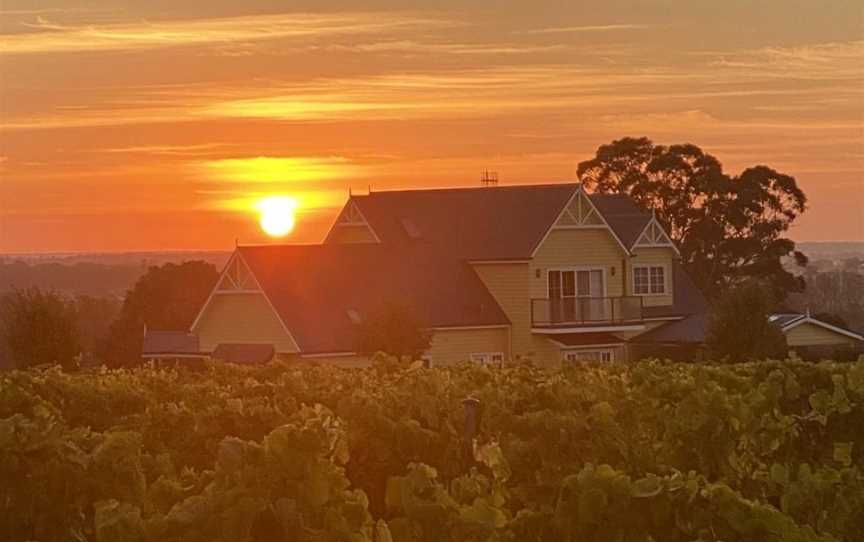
(648, 452)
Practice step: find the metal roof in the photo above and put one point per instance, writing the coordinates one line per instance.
(315, 289)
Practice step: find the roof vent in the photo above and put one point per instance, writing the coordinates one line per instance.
(411, 229)
(354, 316)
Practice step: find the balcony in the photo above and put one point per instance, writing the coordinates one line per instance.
(586, 311)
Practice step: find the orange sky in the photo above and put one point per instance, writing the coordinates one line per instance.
(153, 126)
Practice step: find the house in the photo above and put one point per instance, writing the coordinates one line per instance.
(548, 272)
(812, 338)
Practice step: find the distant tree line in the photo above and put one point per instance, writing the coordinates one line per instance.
(40, 326)
(82, 278)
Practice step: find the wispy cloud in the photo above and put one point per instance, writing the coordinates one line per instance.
(822, 61)
(276, 169)
(200, 149)
(55, 38)
(585, 29)
(455, 93)
(413, 47)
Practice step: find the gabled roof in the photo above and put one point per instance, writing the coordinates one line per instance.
(622, 215)
(783, 319)
(319, 291)
(789, 321)
(488, 223)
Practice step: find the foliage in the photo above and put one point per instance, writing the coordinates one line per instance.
(167, 297)
(93, 318)
(739, 328)
(764, 451)
(39, 328)
(394, 329)
(726, 227)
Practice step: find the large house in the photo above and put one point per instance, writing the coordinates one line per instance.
(547, 272)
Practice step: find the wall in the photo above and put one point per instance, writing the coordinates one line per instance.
(508, 283)
(456, 345)
(813, 335)
(652, 256)
(589, 247)
(241, 318)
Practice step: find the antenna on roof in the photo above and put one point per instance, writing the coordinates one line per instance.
(489, 178)
(370, 188)
(349, 191)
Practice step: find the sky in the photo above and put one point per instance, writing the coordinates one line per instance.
(160, 124)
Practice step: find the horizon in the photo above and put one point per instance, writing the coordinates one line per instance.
(158, 127)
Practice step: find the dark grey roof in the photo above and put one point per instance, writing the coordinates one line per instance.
(687, 298)
(244, 353)
(168, 342)
(586, 339)
(489, 223)
(784, 319)
(691, 329)
(623, 216)
(316, 288)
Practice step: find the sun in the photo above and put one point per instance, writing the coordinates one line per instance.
(277, 215)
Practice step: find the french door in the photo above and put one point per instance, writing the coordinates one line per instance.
(576, 294)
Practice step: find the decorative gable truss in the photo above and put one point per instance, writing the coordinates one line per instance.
(580, 213)
(654, 236)
(237, 278)
(351, 218)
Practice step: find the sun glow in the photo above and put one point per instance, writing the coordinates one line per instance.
(277, 215)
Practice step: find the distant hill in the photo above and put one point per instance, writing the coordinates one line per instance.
(832, 250)
(95, 274)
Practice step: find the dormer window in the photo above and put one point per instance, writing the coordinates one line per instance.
(649, 280)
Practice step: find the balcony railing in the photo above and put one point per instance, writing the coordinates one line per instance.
(577, 311)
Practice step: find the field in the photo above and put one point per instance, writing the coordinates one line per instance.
(653, 451)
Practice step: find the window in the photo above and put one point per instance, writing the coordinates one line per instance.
(575, 283)
(487, 358)
(649, 280)
(575, 356)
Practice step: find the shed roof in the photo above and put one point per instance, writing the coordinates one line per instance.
(165, 343)
(691, 329)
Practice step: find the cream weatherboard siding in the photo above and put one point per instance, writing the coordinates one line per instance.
(241, 318)
(589, 247)
(652, 256)
(453, 346)
(813, 335)
(509, 284)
